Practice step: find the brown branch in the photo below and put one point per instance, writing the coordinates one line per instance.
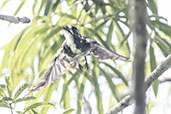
(126, 101)
(166, 64)
(13, 19)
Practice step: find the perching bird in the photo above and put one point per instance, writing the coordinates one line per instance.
(72, 50)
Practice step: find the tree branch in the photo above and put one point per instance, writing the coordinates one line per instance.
(165, 80)
(126, 101)
(13, 19)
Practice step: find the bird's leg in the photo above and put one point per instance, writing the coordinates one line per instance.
(86, 64)
(80, 67)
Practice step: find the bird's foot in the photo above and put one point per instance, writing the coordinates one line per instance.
(86, 65)
(80, 67)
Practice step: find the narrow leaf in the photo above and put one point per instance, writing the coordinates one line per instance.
(39, 104)
(55, 5)
(165, 28)
(68, 111)
(20, 6)
(110, 31)
(24, 99)
(4, 105)
(163, 47)
(153, 6)
(98, 94)
(48, 7)
(152, 58)
(2, 90)
(111, 85)
(155, 86)
(4, 3)
(120, 75)
(9, 88)
(20, 90)
(153, 65)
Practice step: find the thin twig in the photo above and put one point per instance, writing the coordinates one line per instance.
(126, 101)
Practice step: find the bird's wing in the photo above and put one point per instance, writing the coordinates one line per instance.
(104, 53)
(59, 65)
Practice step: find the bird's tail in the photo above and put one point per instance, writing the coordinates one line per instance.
(120, 57)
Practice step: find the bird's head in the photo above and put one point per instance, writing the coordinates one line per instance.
(70, 31)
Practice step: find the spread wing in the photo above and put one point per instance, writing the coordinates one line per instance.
(104, 53)
(60, 63)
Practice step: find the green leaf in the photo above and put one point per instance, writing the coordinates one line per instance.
(48, 95)
(9, 48)
(34, 6)
(121, 36)
(20, 90)
(153, 6)
(165, 28)
(5, 105)
(68, 111)
(99, 37)
(97, 93)
(41, 6)
(55, 5)
(163, 46)
(65, 93)
(21, 52)
(4, 3)
(111, 85)
(101, 25)
(48, 7)
(66, 85)
(80, 88)
(168, 44)
(52, 32)
(34, 111)
(155, 86)
(125, 39)
(39, 104)
(24, 99)
(20, 6)
(2, 90)
(120, 75)
(110, 32)
(153, 64)
(9, 86)
(6, 99)
(103, 9)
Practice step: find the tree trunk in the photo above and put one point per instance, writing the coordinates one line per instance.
(140, 38)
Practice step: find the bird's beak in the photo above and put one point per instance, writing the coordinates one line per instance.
(66, 28)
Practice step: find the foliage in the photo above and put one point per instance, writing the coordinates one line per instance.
(27, 56)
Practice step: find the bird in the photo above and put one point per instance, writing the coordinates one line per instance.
(74, 47)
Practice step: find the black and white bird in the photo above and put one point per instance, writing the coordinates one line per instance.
(72, 50)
